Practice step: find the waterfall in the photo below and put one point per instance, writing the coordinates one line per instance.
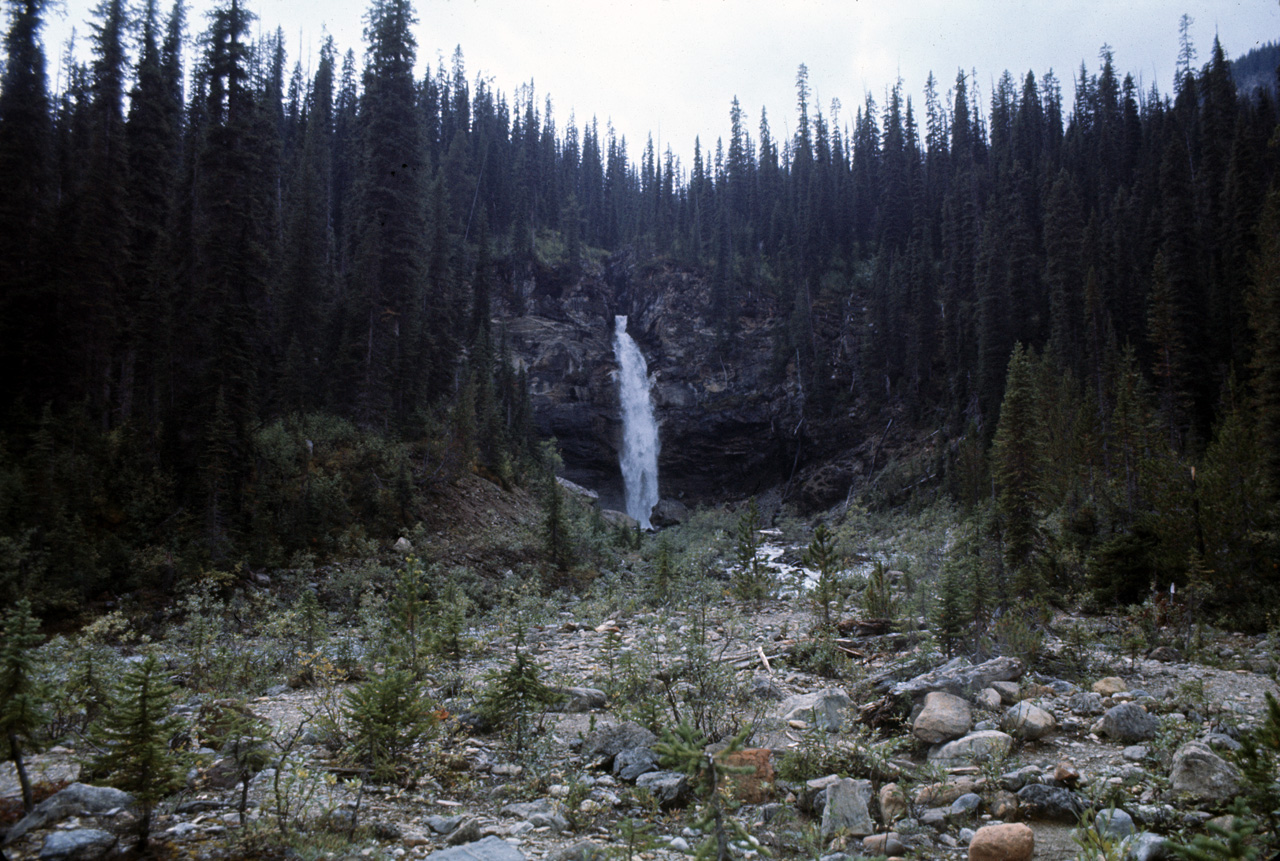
(639, 459)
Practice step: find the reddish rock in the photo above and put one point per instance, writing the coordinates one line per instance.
(755, 786)
(1012, 842)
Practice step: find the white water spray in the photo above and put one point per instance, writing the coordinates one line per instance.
(639, 458)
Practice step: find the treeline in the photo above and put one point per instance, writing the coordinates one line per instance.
(210, 277)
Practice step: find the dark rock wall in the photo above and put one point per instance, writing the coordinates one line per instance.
(729, 414)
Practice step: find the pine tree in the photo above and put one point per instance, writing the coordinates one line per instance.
(20, 693)
(135, 734)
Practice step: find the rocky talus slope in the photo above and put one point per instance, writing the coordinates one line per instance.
(959, 748)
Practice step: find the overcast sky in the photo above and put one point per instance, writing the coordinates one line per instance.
(670, 68)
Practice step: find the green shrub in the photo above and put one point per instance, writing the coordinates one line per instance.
(383, 719)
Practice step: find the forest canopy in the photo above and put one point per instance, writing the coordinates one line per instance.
(244, 307)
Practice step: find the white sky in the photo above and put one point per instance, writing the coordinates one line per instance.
(670, 68)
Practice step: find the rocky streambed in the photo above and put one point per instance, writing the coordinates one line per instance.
(904, 754)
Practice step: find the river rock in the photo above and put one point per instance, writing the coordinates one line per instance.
(847, 810)
(893, 803)
(1127, 723)
(1086, 703)
(489, 849)
(1052, 803)
(1027, 721)
(1202, 774)
(973, 748)
(1011, 842)
(826, 709)
(78, 799)
(633, 762)
(989, 699)
(944, 717)
(79, 844)
(1114, 823)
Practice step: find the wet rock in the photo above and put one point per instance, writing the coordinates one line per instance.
(78, 799)
(489, 849)
(944, 717)
(1202, 774)
(847, 810)
(826, 709)
(1051, 803)
(973, 748)
(1011, 842)
(669, 512)
(1027, 721)
(1127, 723)
(79, 844)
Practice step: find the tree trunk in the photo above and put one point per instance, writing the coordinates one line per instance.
(15, 753)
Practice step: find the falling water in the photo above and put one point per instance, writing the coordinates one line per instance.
(639, 459)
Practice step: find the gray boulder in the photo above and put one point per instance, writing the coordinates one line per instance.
(975, 747)
(1114, 823)
(1085, 703)
(959, 678)
(78, 799)
(826, 709)
(543, 813)
(848, 809)
(489, 849)
(1027, 721)
(1202, 774)
(944, 717)
(669, 788)
(80, 844)
(579, 700)
(607, 742)
(1127, 723)
(633, 762)
(1051, 803)
(1146, 846)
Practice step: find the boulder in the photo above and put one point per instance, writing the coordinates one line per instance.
(889, 844)
(893, 803)
(78, 844)
(633, 762)
(1202, 774)
(1012, 842)
(1027, 721)
(847, 810)
(1086, 703)
(580, 700)
(756, 785)
(1127, 723)
(1110, 686)
(1114, 824)
(489, 849)
(1146, 846)
(826, 709)
(973, 748)
(543, 813)
(607, 742)
(944, 717)
(939, 794)
(989, 699)
(78, 799)
(669, 788)
(669, 512)
(959, 678)
(1010, 692)
(1051, 803)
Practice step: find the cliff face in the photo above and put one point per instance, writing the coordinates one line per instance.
(728, 412)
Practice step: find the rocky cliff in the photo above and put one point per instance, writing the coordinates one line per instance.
(729, 412)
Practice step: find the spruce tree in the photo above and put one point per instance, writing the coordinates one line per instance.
(135, 735)
(1016, 467)
(20, 694)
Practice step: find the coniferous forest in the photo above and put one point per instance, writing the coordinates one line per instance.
(245, 310)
